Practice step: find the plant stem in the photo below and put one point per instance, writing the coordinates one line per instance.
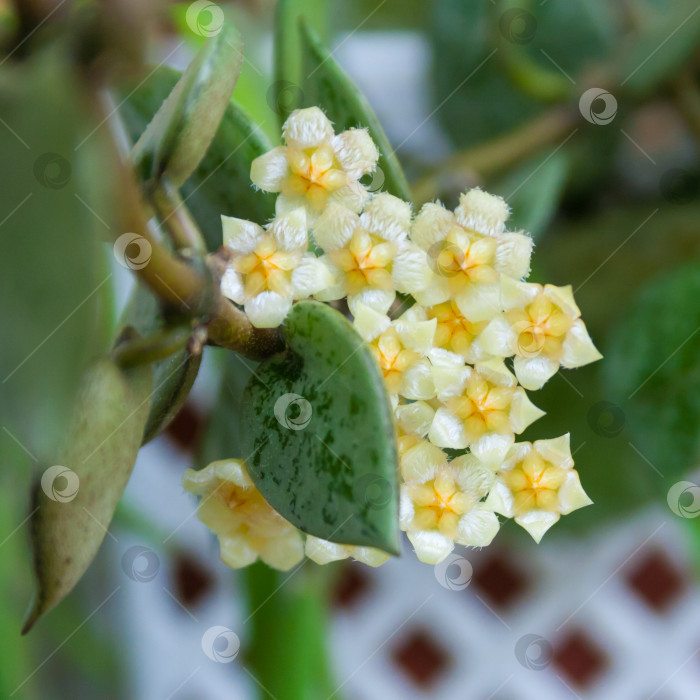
(176, 218)
(143, 350)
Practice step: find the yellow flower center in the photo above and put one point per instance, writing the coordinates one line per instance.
(267, 268)
(454, 332)
(540, 328)
(466, 257)
(534, 483)
(439, 503)
(366, 261)
(314, 173)
(393, 358)
(483, 407)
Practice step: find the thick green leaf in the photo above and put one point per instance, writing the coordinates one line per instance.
(654, 372)
(318, 434)
(180, 133)
(53, 286)
(75, 498)
(325, 84)
(173, 377)
(221, 182)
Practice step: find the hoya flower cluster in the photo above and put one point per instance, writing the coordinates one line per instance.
(457, 363)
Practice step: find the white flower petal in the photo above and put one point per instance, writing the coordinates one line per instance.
(435, 293)
(500, 499)
(378, 299)
(537, 522)
(578, 348)
(563, 297)
(421, 462)
(410, 270)
(310, 276)
(415, 417)
(267, 309)
(571, 494)
(556, 450)
(516, 294)
(335, 226)
(447, 430)
(369, 555)
(241, 236)
(417, 335)
(492, 448)
(406, 508)
(522, 411)
(270, 169)
(533, 372)
(480, 302)
(431, 225)
(513, 255)
(498, 338)
(496, 372)
(236, 552)
(356, 152)
(415, 313)
(473, 476)
(368, 322)
(336, 290)
(289, 230)
(283, 551)
(199, 481)
(387, 216)
(323, 551)
(482, 212)
(478, 527)
(286, 203)
(430, 547)
(232, 286)
(307, 128)
(418, 381)
(353, 196)
(232, 470)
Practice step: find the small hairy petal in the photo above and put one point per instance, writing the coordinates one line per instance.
(492, 448)
(418, 382)
(415, 313)
(241, 236)
(537, 522)
(310, 277)
(516, 294)
(500, 499)
(378, 299)
(556, 450)
(480, 302)
(406, 508)
(387, 216)
(410, 270)
(334, 227)
(571, 494)
(269, 170)
(478, 527)
(430, 547)
(563, 297)
(267, 309)
(289, 230)
(356, 152)
(495, 371)
(447, 430)
(422, 462)
(415, 417)
(232, 286)
(482, 212)
(307, 128)
(286, 203)
(368, 322)
(513, 255)
(533, 372)
(522, 411)
(436, 292)
(417, 335)
(353, 196)
(578, 348)
(431, 225)
(498, 338)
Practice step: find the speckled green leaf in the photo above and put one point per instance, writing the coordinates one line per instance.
(74, 498)
(180, 133)
(318, 434)
(325, 84)
(221, 182)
